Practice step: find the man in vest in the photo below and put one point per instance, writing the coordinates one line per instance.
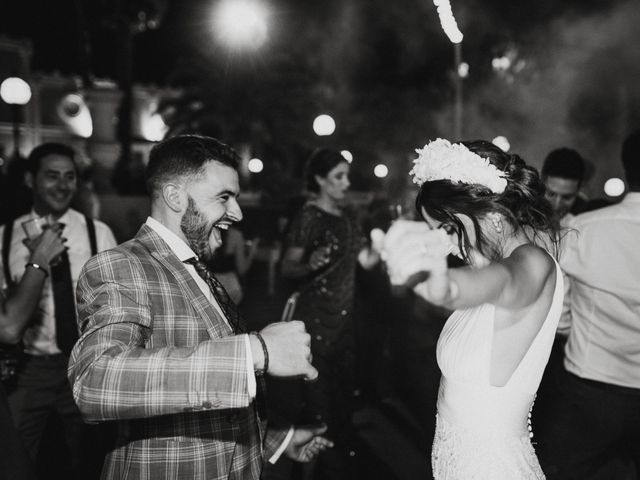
(41, 386)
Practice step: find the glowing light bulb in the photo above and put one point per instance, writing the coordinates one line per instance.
(380, 170)
(255, 165)
(614, 187)
(324, 125)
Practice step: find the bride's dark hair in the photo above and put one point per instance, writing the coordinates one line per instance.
(522, 203)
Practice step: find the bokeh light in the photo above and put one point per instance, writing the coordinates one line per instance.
(501, 63)
(380, 170)
(346, 154)
(614, 187)
(255, 165)
(463, 70)
(73, 110)
(448, 21)
(324, 125)
(241, 23)
(15, 91)
(502, 143)
(153, 127)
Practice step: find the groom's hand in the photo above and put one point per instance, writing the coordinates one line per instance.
(307, 443)
(289, 349)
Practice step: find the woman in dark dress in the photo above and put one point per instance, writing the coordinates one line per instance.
(323, 245)
(17, 304)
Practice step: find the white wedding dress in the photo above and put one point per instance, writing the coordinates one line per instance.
(483, 431)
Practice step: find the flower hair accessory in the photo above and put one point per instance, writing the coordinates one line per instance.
(443, 160)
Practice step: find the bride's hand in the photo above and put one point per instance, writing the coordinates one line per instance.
(437, 287)
(411, 248)
(416, 256)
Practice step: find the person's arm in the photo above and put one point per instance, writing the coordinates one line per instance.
(368, 258)
(513, 282)
(297, 262)
(419, 257)
(115, 374)
(301, 443)
(294, 267)
(21, 301)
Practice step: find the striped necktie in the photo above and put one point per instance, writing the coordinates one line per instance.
(229, 308)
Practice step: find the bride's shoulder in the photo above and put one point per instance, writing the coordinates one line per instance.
(534, 260)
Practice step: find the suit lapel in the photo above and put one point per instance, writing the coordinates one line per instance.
(159, 250)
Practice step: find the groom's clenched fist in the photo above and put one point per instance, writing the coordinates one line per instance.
(289, 349)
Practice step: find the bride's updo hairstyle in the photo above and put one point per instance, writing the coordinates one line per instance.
(522, 202)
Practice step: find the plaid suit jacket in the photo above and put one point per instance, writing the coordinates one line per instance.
(155, 356)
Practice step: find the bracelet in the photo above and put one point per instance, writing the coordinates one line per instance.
(265, 367)
(37, 267)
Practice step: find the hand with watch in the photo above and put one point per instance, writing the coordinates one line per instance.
(45, 249)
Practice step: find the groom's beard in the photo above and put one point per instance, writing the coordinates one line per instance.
(197, 230)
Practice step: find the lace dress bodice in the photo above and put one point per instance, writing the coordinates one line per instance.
(483, 431)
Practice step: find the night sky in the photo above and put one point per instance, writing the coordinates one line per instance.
(405, 34)
(383, 67)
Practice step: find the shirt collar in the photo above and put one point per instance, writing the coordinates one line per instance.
(176, 244)
(64, 218)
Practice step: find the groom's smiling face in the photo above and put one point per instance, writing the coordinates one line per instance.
(212, 207)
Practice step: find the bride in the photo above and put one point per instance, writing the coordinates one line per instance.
(488, 208)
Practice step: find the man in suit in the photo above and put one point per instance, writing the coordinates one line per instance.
(163, 351)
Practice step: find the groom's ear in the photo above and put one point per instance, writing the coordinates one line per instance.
(174, 197)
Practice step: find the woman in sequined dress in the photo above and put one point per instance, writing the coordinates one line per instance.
(323, 245)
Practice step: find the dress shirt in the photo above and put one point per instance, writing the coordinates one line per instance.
(184, 252)
(40, 336)
(564, 325)
(602, 259)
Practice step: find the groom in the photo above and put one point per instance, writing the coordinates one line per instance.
(164, 352)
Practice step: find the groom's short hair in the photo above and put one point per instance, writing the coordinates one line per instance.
(184, 156)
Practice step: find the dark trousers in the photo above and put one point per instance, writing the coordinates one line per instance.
(42, 390)
(330, 400)
(590, 424)
(15, 463)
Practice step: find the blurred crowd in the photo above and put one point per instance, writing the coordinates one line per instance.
(372, 344)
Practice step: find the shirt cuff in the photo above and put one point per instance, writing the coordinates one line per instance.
(251, 376)
(283, 446)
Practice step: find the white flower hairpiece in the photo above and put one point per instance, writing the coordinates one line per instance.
(443, 160)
